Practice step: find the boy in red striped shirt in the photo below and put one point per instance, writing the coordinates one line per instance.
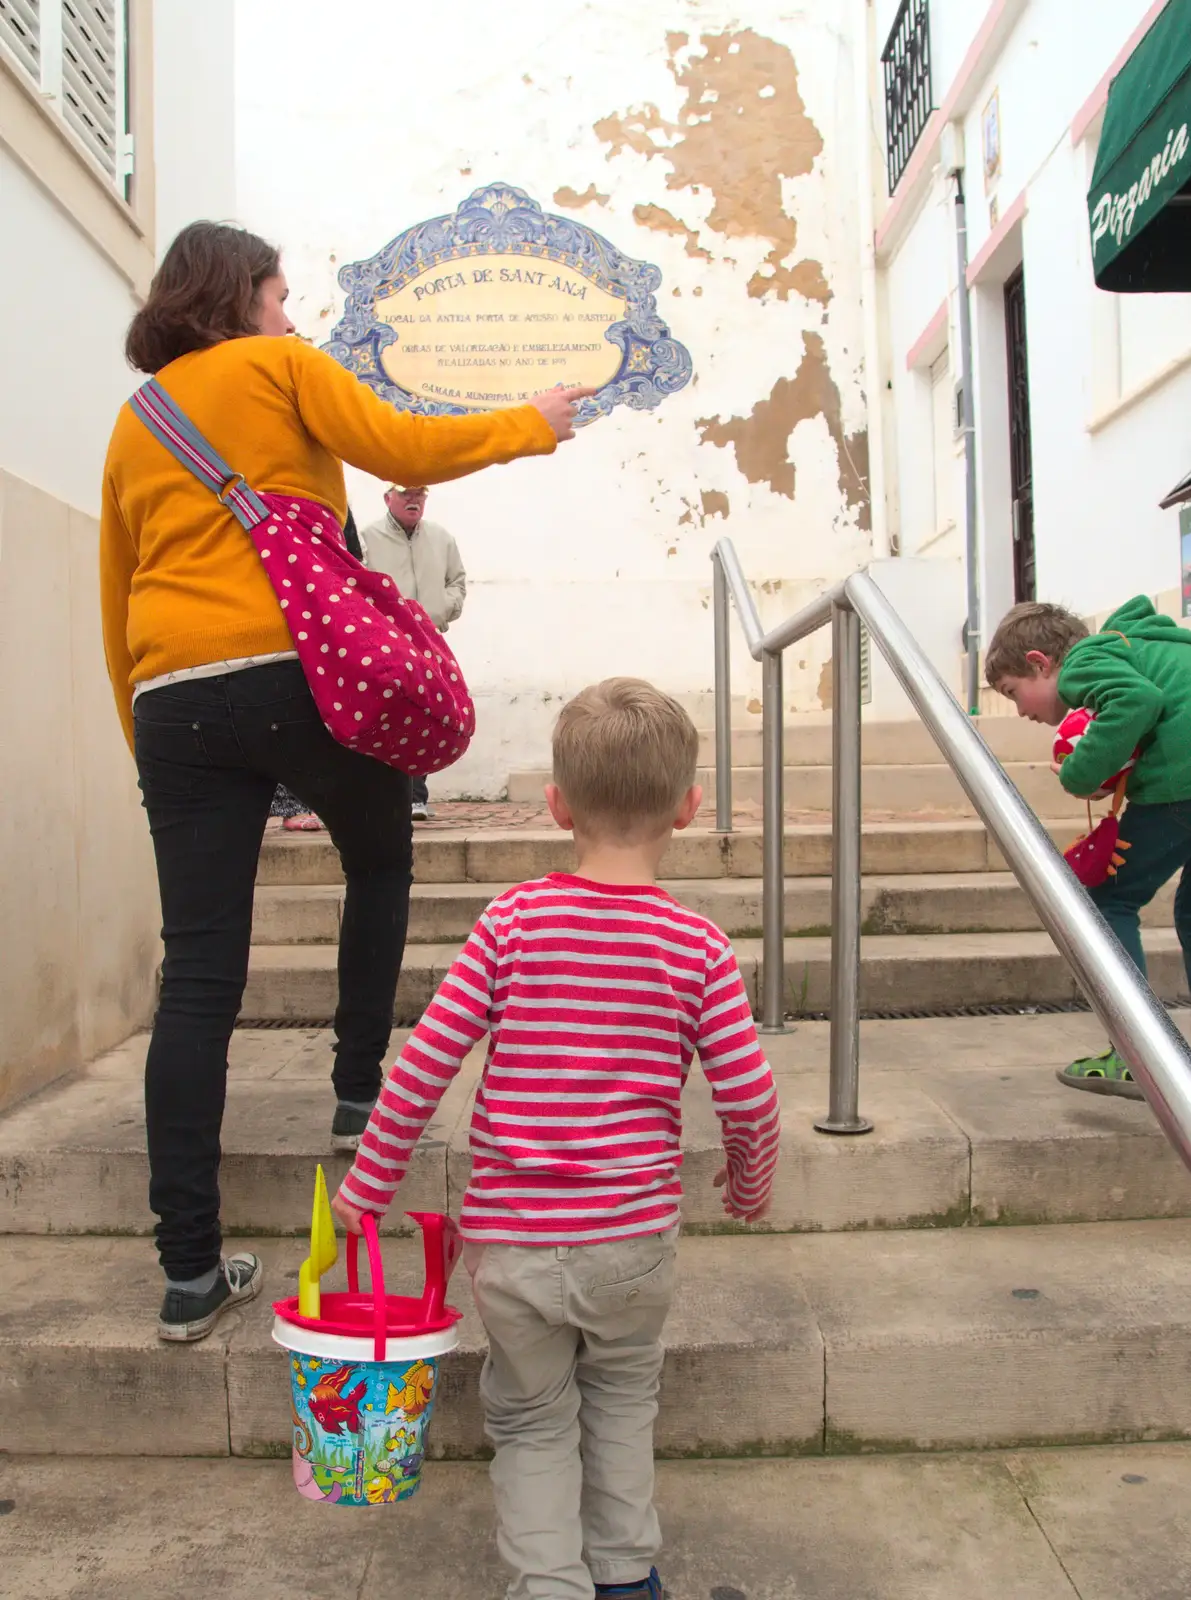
(595, 991)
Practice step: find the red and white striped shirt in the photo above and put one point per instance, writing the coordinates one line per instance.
(595, 999)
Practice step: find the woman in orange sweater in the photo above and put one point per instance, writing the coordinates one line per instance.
(217, 711)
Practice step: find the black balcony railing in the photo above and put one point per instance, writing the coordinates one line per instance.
(908, 103)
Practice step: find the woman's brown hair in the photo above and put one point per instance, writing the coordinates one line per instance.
(201, 294)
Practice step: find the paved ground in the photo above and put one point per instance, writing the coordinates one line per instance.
(1097, 1524)
(1026, 1040)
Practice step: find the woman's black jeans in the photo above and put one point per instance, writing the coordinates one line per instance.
(210, 752)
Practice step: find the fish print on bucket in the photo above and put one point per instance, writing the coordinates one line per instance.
(360, 1428)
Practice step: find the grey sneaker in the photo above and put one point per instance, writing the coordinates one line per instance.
(347, 1128)
(420, 811)
(187, 1316)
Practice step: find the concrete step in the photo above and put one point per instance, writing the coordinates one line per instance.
(781, 1345)
(904, 788)
(937, 902)
(513, 855)
(931, 972)
(898, 972)
(971, 1128)
(808, 744)
(1104, 1523)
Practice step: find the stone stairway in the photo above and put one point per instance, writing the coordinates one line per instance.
(945, 924)
(880, 1309)
(1001, 1263)
(903, 772)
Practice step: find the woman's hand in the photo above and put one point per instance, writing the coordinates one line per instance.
(351, 1216)
(558, 406)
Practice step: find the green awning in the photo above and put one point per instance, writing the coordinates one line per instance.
(1138, 204)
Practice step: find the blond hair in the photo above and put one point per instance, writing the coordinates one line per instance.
(624, 756)
(1033, 625)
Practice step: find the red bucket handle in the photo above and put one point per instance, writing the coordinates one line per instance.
(376, 1273)
(441, 1248)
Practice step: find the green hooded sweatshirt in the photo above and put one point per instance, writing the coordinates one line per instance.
(1139, 686)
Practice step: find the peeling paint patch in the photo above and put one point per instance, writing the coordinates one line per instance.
(663, 221)
(573, 201)
(754, 708)
(826, 686)
(761, 440)
(712, 503)
(805, 279)
(742, 128)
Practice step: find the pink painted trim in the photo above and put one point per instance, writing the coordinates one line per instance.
(927, 339)
(996, 239)
(932, 133)
(1095, 102)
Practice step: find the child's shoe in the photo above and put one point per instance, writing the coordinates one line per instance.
(645, 1589)
(1103, 1074)
(187, 1314)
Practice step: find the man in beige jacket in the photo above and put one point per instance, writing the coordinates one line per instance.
(423, 561)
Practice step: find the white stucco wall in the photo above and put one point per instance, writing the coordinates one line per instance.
(76, 872)
(1101, 456)
(194, 125)
(596, 561)
(64, 380)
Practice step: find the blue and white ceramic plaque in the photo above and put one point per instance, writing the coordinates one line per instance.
(499, 300)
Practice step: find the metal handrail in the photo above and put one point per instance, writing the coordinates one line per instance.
(1136, 1021)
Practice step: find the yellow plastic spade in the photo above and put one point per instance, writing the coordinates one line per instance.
(324, 1252)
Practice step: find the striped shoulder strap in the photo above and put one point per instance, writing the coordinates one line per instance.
(172, 428)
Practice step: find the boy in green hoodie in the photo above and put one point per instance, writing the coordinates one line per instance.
(1136, 676)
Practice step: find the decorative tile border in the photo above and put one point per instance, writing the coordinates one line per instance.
(502, 220)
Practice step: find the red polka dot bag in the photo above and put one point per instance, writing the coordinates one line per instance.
(383, 678)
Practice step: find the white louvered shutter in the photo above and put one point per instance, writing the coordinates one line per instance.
(20, 30)
(92, 73)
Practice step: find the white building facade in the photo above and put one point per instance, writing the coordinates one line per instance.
(80, 187)
(1081, 398)
(725, 147)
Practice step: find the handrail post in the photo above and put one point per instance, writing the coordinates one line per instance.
(723, 699)
(773, 866)
(844, 1111)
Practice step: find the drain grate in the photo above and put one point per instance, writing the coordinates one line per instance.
(275, 1024)
(1044, 1008)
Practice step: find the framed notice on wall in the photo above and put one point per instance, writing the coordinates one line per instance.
(990, 138)
(499, 300)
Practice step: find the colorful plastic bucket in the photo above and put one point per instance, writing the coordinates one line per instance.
(362, 1400)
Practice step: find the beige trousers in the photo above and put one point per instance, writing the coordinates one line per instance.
(570, 1395)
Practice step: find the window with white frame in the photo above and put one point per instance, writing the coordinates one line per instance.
(76, 53)
(943, 446)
